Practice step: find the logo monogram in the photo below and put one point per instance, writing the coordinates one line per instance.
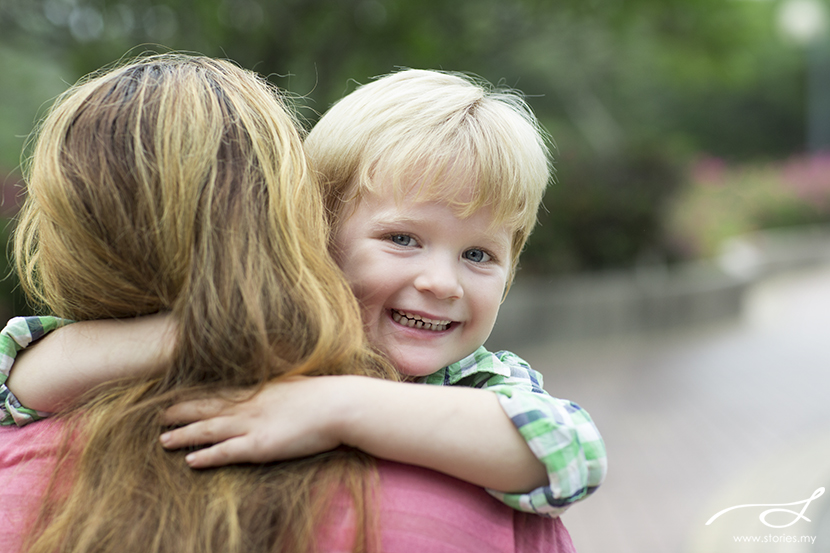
(763, 516)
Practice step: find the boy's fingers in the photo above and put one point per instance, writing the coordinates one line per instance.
(224, 453)
(192, 411)
(209, 431)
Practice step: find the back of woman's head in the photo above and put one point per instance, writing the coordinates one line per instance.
(178, 183)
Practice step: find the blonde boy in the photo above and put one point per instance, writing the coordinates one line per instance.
(432, 183)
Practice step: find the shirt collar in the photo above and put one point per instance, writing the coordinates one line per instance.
(480, 361)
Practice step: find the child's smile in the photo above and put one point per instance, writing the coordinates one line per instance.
(429, 283)
(412, 320)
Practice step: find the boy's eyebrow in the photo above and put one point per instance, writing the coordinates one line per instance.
(382, 219)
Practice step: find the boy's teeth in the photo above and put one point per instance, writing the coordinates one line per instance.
(416, 321)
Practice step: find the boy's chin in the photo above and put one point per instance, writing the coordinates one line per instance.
(413, 369)
(414, 373)
(417, 361)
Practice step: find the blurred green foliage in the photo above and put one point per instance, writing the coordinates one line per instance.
(630, 90)
(12, 300)
(600, 73)
(605, 215)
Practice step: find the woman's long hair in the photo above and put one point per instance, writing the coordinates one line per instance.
(178, 183)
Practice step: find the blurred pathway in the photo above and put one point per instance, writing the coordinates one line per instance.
(708, 419)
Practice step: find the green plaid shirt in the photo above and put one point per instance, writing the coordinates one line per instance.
(559, 432)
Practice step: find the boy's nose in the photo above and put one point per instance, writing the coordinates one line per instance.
(439, 278)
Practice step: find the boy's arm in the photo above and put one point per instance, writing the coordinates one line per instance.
(459, 431)
(76, 358)
(18, 334)
(559, 432)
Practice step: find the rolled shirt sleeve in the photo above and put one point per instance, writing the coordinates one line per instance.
(559, 432)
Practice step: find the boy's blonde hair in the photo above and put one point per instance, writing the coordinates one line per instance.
(427, 128)
(178, 183)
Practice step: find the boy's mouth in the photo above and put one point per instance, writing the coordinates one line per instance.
(416, 321)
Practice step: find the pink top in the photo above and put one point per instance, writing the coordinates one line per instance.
(27, 459)
(423, 511)
(420, 510)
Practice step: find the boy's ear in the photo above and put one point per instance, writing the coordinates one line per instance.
(506, 288)
(513, 268)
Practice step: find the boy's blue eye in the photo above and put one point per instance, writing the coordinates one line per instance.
(477, 256)
(402, 239)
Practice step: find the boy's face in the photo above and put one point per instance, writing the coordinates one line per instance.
(429, 283)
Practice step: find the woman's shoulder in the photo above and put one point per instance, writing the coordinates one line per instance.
(28, 456)
(417, 510)
(33, 441)
(423, 510)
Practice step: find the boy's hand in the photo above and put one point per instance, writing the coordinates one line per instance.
(287, 419)
(463, 432)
